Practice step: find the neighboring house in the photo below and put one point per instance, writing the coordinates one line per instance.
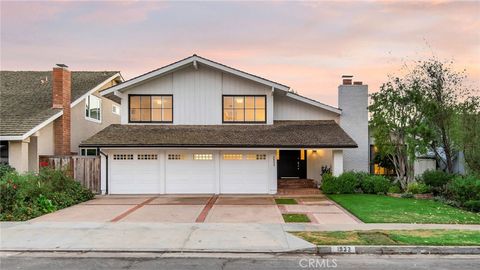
(197, 126)
(51, 112)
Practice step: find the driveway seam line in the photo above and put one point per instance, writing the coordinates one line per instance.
(131, 210)
(203, 215)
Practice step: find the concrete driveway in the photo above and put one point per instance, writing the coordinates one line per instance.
(199, 209)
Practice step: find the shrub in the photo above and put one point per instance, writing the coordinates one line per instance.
(417, 188)
(473, 205)
(394, 189)
(463, 189)
(346, 183)
(4, 169)
(25, 196)
(375, 184)
(436, 180)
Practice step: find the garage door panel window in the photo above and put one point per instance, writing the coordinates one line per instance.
(176, 157)
(244, 109)
(147, 157)
(256, 156)
(151, 108)
(232, 156)
(203, 156)
(123, 157)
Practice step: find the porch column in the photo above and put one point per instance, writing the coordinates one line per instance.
(337, 166)
(18, 155)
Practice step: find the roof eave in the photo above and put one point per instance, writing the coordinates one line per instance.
(187, 61)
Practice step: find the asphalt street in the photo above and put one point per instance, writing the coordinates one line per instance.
(85, 261)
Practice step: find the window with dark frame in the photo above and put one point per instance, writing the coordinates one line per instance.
(151, 108)
(244, 109)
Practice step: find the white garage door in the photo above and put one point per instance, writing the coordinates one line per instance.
(243, 172)
(190, 172)
(135, 173)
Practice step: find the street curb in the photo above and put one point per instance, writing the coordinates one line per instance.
(405, 250)
(319, 250)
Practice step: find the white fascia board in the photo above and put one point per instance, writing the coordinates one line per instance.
(241, 74)
(314, 103)
(33, 130)
(192, 60)
(147, 76)
(96, 88)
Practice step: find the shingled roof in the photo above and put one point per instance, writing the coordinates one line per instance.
(26, 102)
(282, 134)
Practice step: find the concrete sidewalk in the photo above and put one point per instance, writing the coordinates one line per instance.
(149, 237)
(175, 237)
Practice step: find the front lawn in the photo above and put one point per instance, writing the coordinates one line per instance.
(384, 209)
(295, 218)
(394, 237)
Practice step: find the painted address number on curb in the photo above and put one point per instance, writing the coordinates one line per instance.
(343, 249)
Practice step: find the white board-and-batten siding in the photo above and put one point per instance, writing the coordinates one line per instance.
(286, 108)
(197, 94)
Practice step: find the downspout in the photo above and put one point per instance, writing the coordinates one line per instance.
(106, 169)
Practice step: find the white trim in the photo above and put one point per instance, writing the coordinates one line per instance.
(314, 103)
(33, 130)
(96, 88)
(101, 112)
(188, 61)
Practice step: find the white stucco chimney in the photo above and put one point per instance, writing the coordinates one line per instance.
(353, 100)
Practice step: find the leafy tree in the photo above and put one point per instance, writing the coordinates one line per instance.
(466, 132)
(443, 91)
(398, 125)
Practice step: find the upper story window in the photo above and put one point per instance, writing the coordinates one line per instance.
(115, 109)
(151, 108)
(244, 109)
(93, 108)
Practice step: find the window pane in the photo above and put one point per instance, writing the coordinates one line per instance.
(227, 115)
(238, 102)
(135, 102)
(167, 102)
(260, 115)
(249, 115)
(145, 102)
(95, 113)
(167, 115)
(156, 115)
(259, 102)
(249, 102)
(91, 152)
(157, 102)
(134, 114)
(145, 114)
(227, 102)
(238, 115)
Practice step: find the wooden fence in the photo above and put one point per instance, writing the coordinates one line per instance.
(85, 170)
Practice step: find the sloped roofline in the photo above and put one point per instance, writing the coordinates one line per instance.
(57, 115)
(193, 60)
(314, 103)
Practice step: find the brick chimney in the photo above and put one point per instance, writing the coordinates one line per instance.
(61, 98)
(347, 79)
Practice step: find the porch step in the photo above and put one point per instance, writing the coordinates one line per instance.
(296, 183)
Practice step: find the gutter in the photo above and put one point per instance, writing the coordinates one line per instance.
(106, 170)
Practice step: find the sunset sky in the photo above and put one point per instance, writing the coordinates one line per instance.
(307, 45)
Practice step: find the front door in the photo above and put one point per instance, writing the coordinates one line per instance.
(291, 165)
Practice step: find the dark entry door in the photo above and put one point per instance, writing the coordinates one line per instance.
(290, 165)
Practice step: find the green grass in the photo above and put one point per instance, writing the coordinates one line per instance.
(384, 209)
(394, 237)
(285, 201)
(295, 218)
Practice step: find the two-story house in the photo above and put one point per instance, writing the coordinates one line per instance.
(51, 112)
(198, 126)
